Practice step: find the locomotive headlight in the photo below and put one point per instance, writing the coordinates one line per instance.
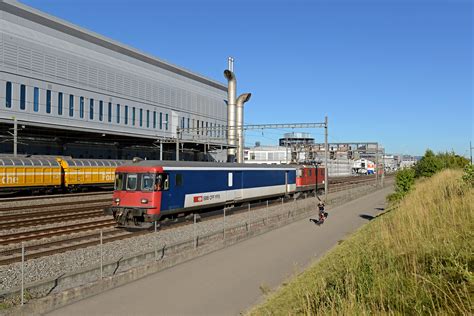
(117, 200)
(323, 181)
(144, 201)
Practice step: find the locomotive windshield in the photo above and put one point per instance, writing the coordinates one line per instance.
(146, 182)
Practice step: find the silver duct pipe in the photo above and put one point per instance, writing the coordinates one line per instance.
(232, 87)
(239, 114)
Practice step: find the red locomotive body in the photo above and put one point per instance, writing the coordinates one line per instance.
(136, 189)
(310, 178)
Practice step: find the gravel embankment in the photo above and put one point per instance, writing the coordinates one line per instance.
(59, 264)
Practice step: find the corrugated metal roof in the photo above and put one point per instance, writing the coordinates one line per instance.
(60, 25)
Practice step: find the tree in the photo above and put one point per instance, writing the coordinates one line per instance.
(428, 165)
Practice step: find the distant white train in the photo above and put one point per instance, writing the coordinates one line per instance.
(363, 166)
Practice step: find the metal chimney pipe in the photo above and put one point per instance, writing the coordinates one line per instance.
(230, 63)
(231, 91)
(239, 113)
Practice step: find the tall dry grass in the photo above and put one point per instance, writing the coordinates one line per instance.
(416, 259)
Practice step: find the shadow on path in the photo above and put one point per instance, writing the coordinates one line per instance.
(367, 217)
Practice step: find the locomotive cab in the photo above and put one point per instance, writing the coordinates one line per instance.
(137, 197)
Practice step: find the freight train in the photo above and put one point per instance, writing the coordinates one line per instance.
(49, 174)
(148, 191)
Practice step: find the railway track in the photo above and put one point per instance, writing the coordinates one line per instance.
(53, 196)
(47, 248)
(15, 238)
(49, 216)
(71, 232)
(40, 206)
(54, 247)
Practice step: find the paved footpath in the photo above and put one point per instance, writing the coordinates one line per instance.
(228, 281)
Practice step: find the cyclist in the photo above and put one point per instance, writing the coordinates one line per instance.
(322, 213)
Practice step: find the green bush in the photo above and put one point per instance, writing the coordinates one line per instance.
(468, 175)
(404, 181)
(431, 163)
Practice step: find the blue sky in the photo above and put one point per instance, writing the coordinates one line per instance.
(395, 71)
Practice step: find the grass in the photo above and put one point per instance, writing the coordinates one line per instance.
(416, 259)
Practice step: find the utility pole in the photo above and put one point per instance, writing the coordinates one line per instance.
(161, 150)
(15, 137)
(383, 167)
(326, 148)
(470, 148)
(177, 144)
(377, 165)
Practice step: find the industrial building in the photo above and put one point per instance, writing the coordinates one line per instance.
(74, 92)
(267, 155)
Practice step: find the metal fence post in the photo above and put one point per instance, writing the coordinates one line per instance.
(248, 220)
(194, 232)
(223, 231)
(101, 255)
(22, 273)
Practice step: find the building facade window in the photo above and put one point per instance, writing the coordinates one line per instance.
(133, 116)
(60, 103)
(22, 97)
(118, 114)
(81, 107)
(126, 115)
(161, 120)
(140, 119)
(109, 113)
(148, 118)
(166, 121)
(101, 110)
(189, 120)
(8, 95)
(154, 119)
(202, 128)
(91, 109)
(36, 93)
(71, 105)
(197, 130)
(48, 101)
(207, 128)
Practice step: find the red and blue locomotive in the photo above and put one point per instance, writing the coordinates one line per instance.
(148, 191)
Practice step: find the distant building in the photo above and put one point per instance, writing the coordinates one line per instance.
(295, 138)
(267, 155)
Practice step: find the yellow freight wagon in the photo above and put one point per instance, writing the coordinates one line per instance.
(88, 172)
(29, 173)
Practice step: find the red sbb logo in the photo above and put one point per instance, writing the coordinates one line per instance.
(197, 199)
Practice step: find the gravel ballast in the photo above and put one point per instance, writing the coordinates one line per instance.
(63, 263)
